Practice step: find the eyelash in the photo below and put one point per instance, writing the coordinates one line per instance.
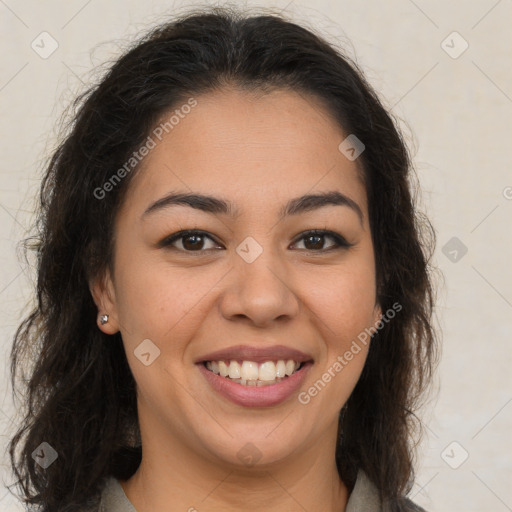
(339, 241)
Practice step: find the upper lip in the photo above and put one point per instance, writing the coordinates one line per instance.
(256, 354)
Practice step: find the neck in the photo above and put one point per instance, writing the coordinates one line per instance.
(164, 482)
(269, 490)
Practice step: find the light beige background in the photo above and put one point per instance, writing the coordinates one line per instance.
(456, 113)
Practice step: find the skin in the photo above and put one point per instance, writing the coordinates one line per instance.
(257, 151)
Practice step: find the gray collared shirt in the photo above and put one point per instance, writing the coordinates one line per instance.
(364, 497)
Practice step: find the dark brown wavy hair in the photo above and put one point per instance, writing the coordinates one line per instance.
(77, 390)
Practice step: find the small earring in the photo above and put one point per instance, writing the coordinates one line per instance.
(103, 319)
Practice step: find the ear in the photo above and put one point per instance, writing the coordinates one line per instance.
(377, 315)
(102, 291)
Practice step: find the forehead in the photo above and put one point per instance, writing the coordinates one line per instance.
(257, 149)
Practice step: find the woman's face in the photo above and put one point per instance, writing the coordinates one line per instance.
(253, 289)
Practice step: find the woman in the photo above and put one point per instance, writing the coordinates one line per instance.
(234, 302)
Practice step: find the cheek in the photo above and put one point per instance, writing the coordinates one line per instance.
(343, 299)
(159, 301)
(162, 301)
(343, 306)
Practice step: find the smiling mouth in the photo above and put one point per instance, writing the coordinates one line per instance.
(251, 373)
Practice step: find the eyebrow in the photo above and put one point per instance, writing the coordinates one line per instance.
(215, 205)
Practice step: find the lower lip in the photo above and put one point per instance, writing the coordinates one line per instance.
(256, 396)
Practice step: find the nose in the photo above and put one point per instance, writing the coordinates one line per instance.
(260, 292)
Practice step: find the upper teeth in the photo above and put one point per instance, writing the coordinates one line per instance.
(249, 370)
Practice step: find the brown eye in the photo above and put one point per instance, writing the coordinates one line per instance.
(190, 241)
(314, 241)
(193, 242)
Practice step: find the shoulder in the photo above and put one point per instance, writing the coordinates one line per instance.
(364, 495)
(405, 505)
(105, 500)
(365, 498)
(113, 498)
(409, 506)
